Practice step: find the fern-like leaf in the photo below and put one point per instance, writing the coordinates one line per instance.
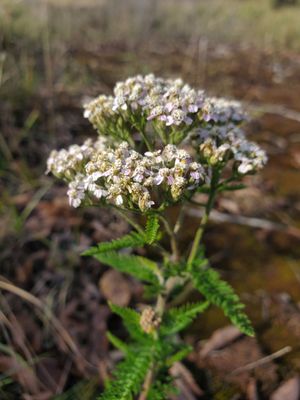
(133, 239)
(219, 292)
(152, 228)
(129, 375)
(131, 320)
(139, 267)
(179, 318)
(232, 187)
(179, 355)
(162, 388)
(117, 343)
(84, 389)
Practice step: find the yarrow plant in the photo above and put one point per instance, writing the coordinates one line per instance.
(160, 143)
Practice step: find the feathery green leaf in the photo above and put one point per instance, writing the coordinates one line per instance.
(231, 188)
(161, 391)
(129, 375)
(179, 355)
(179, 318)
(219, 292)
(83, 390)
(133, 239)
(152, 227)
(117, 343)
(131, 320)
(139, 267)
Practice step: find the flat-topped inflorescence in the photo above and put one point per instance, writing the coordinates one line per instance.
(160, 109)
(150, 113)
(124, 177)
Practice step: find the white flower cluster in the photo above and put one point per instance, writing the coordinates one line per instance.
(166, 102)
(146, 112)
(100, 112)
(170, 101)
(222, 111)
(219, 144)
(66, 163)
(124, 177)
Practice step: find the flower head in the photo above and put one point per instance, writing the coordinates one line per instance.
(167, 104)
(221, 144)
(126, 178)
(187, 133)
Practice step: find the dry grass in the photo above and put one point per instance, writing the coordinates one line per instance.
(254, 22)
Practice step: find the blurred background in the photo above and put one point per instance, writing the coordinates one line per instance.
(53, 313)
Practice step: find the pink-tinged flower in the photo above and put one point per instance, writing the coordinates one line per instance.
(158, 179)
(193, 108)
(188, 120)
(170, 180)
(207, 117)
(155, 112)
(169, 120)
(169, 107)
(195, 175)
(126, 171)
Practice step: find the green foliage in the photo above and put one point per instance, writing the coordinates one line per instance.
(117, 343)
(219, 292)
(131, 320)
(230, 188)
(179, 318)
(145, 350)
(161, 391)
(129, 374)
(83, 390)
(133, 239)
(152, 229)
(179, 355)
(139, 267)
(174, 269)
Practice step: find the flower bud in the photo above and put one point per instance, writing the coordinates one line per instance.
(149, 321)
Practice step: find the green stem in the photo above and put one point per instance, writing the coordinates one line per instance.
(197, 239)
(141, 127)
(179, 221)
(161, 303)
(173, 240)
(130, 141)
(204, 220)
(129, 220)
(148, 144)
